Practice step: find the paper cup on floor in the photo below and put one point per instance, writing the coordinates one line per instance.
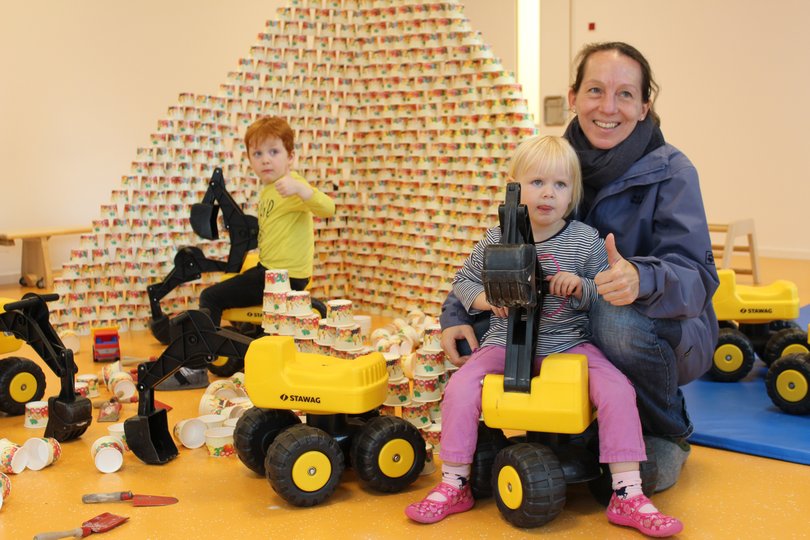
(219, 441)
(122, 386)
(13, 459)
(92, 383)
(42, 451)
(190, 432)
(212, 421)
(107, 453)
(231, 422)
(117, 430)
(36, 414)
(430, 466)
(211, 404)
(224, 389)
(5, 488)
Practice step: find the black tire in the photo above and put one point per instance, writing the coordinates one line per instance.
(490, 442)
(602, 487)
(388, 454)
(304, 465)
(776, 326)
(528, 484)
(785, 342)
(255, 431)
(319, 306)
(21, 381)
(733, 357)
(225, 366)
(788, 383)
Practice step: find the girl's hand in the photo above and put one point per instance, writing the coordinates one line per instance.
(565, 284)
(500, 311)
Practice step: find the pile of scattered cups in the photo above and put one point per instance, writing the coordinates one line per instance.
(418, 371)
(221, 405)
(119, 382)
(35, 454)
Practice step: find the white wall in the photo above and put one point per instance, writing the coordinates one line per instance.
(84, 84)
(733, 76)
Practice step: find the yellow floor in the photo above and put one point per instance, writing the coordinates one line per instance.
(721, 495)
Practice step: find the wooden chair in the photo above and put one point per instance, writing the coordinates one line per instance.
(725, 245)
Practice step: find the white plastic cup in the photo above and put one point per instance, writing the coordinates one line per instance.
(42, 452)
(219, 441)
(107, 453)
(36, 414)
(13, 459)
(5, 488)
(212, 420)
(190, 432)
(117, 430)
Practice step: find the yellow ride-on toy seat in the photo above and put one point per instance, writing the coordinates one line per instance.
(279, 377)
(557, 403)
(754, 303)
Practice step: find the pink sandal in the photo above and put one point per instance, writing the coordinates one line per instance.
(430, 511)
(625, 512)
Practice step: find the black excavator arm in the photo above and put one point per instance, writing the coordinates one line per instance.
(190, 262)
(196, 342)
(513, 278)
(69, 414)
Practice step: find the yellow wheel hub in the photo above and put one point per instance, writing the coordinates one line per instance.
(510, 489)
(23, 387)
(796, 348)
(220, 361)
(311, 471)
(396, 458)
(728, 358)
(791, 385)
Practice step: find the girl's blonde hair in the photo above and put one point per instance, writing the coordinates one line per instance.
(539, 155)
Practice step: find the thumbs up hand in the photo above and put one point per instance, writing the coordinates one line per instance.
(619, 283)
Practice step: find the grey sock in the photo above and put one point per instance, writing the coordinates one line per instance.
(670, 456)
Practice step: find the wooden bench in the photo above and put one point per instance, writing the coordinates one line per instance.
(36, 259)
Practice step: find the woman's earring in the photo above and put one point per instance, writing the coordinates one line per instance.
(573, 110)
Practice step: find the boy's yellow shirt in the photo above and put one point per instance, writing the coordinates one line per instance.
(286, 232)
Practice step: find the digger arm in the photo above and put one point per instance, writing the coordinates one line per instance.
(189, 264)
(512, 277)
(27, 319)
(197, 343)
(242, 228)
(69, 415)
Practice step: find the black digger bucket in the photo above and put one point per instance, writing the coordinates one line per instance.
(203, 220)
(148, 437)
(68, 418)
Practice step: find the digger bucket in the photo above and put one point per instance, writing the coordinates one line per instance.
(204, 220)
(68, 420)
(149, 439)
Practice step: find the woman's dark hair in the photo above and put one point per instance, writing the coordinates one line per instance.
(649, 88)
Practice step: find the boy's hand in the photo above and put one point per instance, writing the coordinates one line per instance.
(565, 284)
(288, 186)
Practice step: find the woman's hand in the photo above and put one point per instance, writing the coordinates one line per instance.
(450, 347)
(619, 283)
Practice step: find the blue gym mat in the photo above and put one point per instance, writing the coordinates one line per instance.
(742, 418)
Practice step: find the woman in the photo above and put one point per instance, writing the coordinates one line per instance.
(655, 319)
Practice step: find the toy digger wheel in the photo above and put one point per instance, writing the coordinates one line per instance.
(304, 465)
(788, 383)
(21, 381)
(528, 484)
(785, 342)
(225, 366)
(255, 431)
(490, 442)
(388, 454)
(733, 357)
